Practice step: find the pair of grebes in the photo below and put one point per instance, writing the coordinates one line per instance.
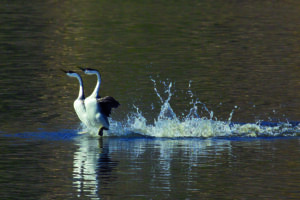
(93, 111)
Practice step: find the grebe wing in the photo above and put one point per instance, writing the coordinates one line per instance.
(107, 103)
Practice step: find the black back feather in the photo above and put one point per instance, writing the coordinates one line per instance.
(107, 103)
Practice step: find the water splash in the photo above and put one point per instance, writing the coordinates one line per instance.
(168, 124)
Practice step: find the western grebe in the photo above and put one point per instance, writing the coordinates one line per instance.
(79, 104)
(98, 109)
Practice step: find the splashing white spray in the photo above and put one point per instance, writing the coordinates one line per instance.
(167, 124)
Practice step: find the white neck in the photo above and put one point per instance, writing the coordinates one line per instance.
(81, 91)
(96, 90)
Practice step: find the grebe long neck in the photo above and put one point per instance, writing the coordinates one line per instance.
(81, 91)
(96, 90)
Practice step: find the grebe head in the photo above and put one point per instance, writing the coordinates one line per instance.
(89, 71)
(71, 73)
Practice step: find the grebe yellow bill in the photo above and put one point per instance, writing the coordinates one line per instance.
(98, 109)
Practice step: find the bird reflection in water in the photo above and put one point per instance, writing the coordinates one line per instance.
(105, 165)
(92, 167)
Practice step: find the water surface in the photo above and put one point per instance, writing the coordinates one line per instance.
(209, 95)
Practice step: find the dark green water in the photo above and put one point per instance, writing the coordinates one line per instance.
(242, 54)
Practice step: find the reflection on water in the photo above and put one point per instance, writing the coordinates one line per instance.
(85, 167)
(119, 168)
(96, 173)
(148, 168)
(92, 166)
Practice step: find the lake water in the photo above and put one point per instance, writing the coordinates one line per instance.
(209, 93)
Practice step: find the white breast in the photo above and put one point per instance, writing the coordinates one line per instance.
(94, 114)
(81, 111)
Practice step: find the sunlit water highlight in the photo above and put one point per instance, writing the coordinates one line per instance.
(169, 124)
